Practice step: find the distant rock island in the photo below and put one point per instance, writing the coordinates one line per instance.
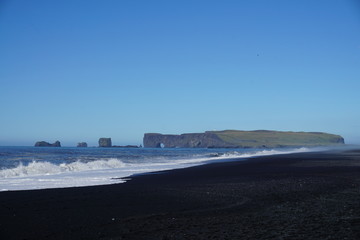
(46, 144)
(241, 139)
(105, 142)
(82, 144)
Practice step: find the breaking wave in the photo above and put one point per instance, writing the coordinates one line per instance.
(37, 168)
(46, 168)
(236, 154)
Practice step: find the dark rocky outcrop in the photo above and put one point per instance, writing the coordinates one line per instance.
(82, 144)
(105, 142)
(126, 146)
(241, 139)
(46, 144)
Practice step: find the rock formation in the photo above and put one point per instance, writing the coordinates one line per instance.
(241, 139)
(46, 144)
(105, 142)
(126, 146)
(189, 140)
(82, 144)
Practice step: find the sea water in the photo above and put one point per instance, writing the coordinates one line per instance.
(26, 168)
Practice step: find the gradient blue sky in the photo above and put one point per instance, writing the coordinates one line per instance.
(79, 70)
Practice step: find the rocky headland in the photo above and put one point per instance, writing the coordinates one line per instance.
(106, 142)
(241, 139)
(127, 146)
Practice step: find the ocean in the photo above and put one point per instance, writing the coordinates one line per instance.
(28, 168)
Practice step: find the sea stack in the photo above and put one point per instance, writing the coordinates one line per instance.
(105, 142)
(82, 144)
(46, 144)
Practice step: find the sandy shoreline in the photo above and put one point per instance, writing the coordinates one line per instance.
(295, 196)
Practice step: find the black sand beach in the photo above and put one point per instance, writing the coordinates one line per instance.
(295, 196)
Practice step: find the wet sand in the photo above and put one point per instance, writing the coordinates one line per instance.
(295, 196)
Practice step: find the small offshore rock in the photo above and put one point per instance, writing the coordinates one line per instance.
(46, 144)
(105, 142)
(82, 144)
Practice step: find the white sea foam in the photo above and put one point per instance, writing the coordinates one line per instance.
(236, 154)
(43, 174)
(47, 168)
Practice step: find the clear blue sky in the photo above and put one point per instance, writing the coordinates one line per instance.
(79, 70)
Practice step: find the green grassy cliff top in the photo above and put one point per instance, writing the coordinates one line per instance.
(267, 138)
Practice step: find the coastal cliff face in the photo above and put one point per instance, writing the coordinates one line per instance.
(190, 140)
(241, 139)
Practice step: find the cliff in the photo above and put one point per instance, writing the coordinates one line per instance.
(190, 140)
(241, 139)
(46, 144)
